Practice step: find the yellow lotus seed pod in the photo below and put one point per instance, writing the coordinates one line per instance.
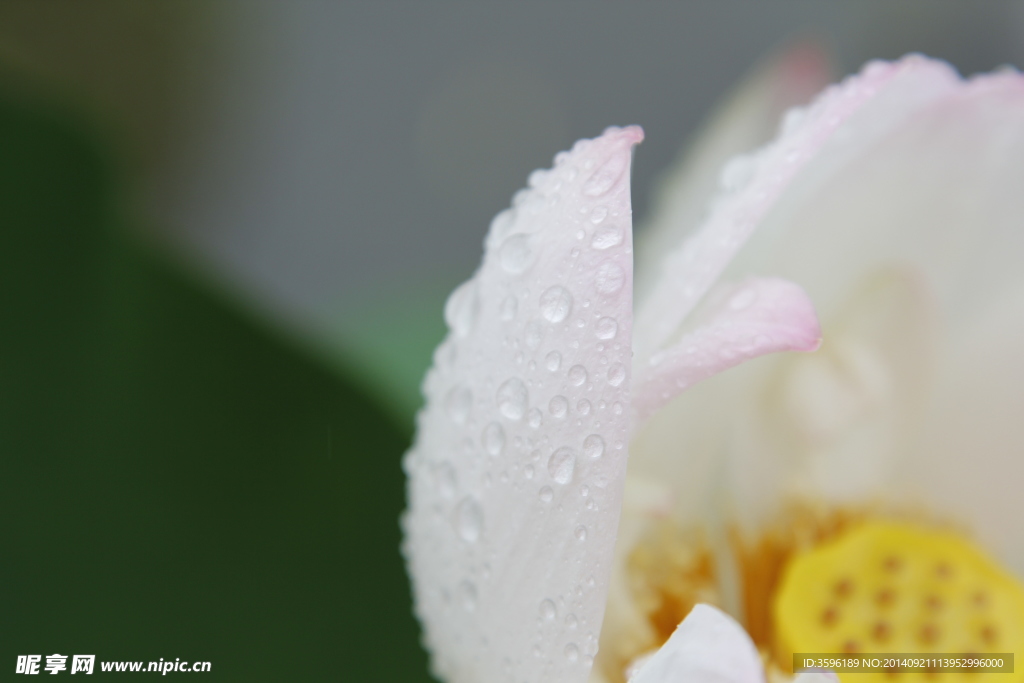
(889, 587)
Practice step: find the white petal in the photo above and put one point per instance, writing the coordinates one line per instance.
(816, 677)
(935, 191)
(748, 119)
(757, 317)
(971, 459)
(753, 185)
(834, 424)
(707, 647)
(517, 471)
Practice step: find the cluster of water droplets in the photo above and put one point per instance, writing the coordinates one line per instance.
(524, 429)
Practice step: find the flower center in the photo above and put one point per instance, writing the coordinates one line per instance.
(829, 581)
(897, 588)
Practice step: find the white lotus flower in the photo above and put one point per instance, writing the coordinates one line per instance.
(894, 202)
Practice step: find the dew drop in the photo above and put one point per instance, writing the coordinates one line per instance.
(548, 611)
(534, 418)
(607, 174)
(469, 520)
(593, 446)
(515, 254)
(508, 309)
(616, 374)
(502, 223)
(581, 533)
(546, 494)
(610, 278)
(577, 375)
(606, 328)
(555, 304)
(493, 439)
(572, 653)
(559, 406)
(583, 407)
(529, 471)
(553, 361)
(606, 238)
(598, 215)
(737, 172)
(462, 308)
(512, 398)
(445, 479)
(458, 403)
(572, 622)
(534, 334)
(561, 465)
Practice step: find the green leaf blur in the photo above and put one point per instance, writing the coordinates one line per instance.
(177, 480)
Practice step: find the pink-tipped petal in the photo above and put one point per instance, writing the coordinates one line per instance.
(752, 185)
(707, 647)
(757, 317)
(517, 471)
(748, 119)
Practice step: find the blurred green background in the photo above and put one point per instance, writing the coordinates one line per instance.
(176, 479)
(227, 228)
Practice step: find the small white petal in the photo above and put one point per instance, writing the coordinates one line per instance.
(707, 647)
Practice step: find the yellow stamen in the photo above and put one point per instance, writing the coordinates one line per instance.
(898, 588)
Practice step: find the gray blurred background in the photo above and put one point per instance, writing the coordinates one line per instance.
(335, 165)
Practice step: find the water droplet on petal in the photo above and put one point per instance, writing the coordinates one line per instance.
(546, 494)
(534, 418)
(494, 439)
(559, 406)
(593, 446)
(548, 610)
(610, 278)
(561, 465)
(458, 403)
(572, 653)
(515, 253)
(555, 304)
(446, 480)
(606, 238)
(502, 223)
(469, 520)
(598, 214)
(581, 533)
(616, 374)
(462, 308)
(606, 328)
(508, 309)
(534, 334)
(553, 361)
(583, 407)
(605, 177)
(577, 375)
(512, 399)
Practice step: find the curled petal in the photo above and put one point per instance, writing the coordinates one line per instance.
(517, 471)
(762, 315)
(752, 185)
